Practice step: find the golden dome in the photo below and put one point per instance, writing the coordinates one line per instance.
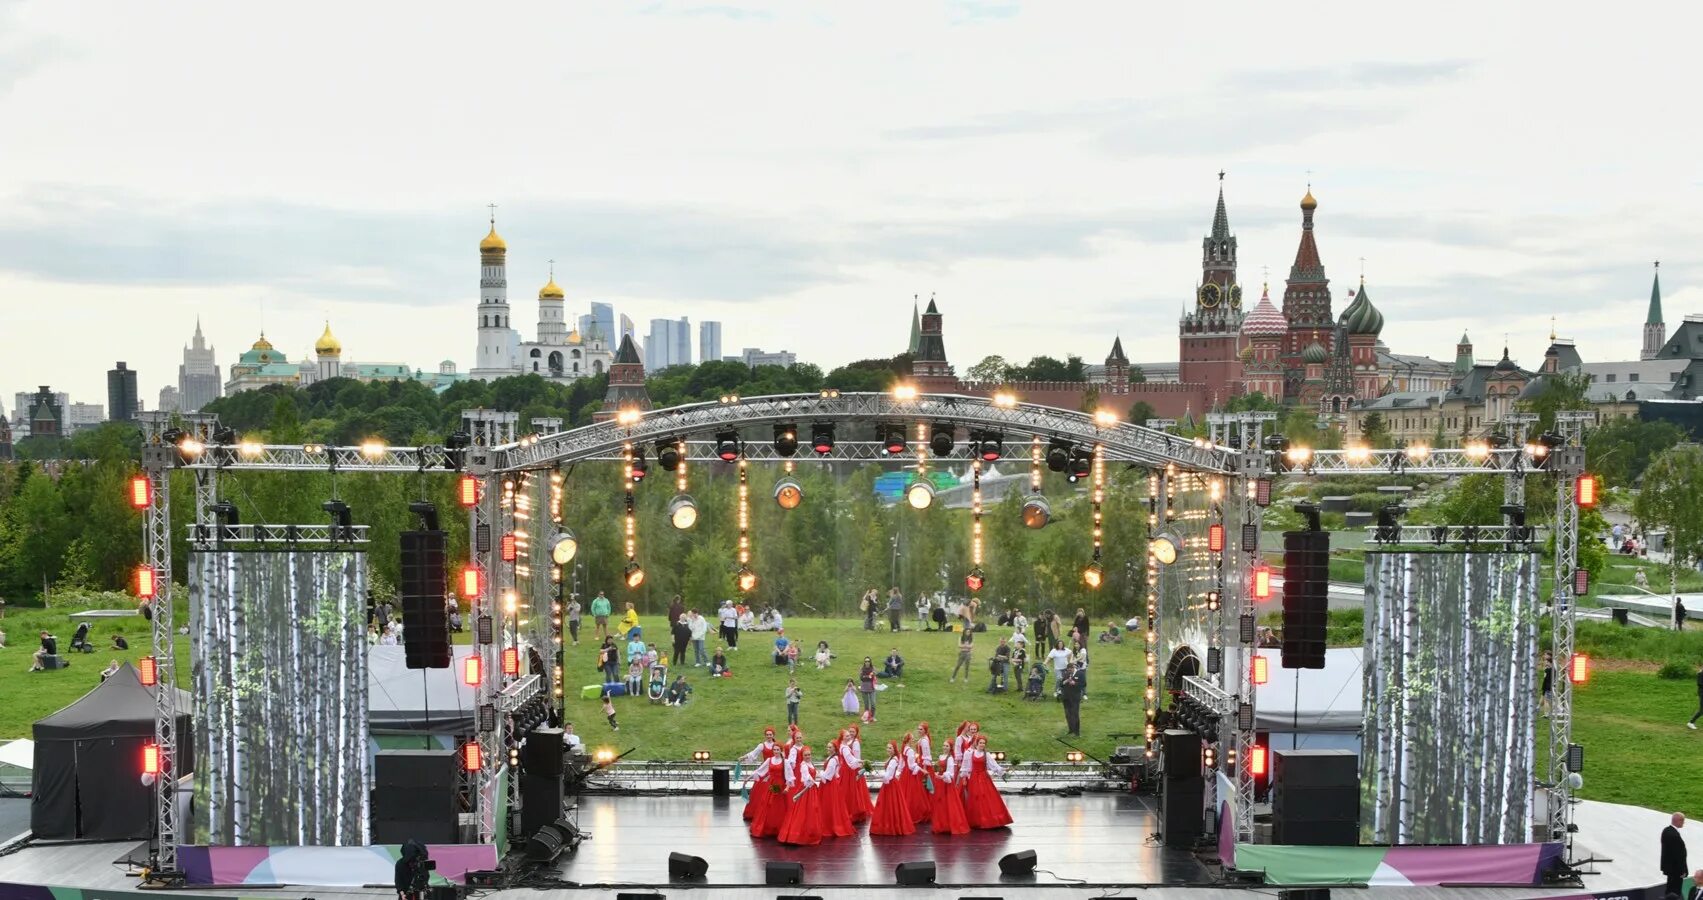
(328, 345)
(493, 242)
(263, 343)
(574, 338)
(1307, 202)
(550, 291)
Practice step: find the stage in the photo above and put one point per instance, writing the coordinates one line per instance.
(1091, 838)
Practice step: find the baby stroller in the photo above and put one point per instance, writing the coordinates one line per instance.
(1037, 682)
(80, 640)
(658, 684)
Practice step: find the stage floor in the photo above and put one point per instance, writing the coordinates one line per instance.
(1093, 838)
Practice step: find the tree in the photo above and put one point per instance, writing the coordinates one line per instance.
(1042, 368)
(1561, 391)
(991, 370)
(1376, 431)
(1620, 450)
(1672, 499)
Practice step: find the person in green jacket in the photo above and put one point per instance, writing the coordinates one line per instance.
(600, 614)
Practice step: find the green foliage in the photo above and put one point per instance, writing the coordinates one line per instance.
(991, 370)
(1253, 401)
(1562, 391)
(1376, 431)
(1471, 500)
(1673, 670)
(1672, 498)
(1606, 640)
(1046, 368)
(1618, 451)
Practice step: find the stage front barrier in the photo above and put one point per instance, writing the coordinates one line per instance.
(280, 672)
(325, 866)
(1451, 675)
(1511, 865)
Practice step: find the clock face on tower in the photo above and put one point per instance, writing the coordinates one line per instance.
(1209, 295)
(1235, 296)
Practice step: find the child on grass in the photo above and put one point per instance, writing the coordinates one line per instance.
(823, 656)
(635, 676)
(849, 703)
(609, 711)
(794, 696)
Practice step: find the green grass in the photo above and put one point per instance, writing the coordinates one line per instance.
(1637, 748)
(726, 715)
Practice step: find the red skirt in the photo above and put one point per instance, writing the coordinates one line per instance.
(983, 806)
(855, 794)
(759, 791)
(835, 822)
(917, 797)
(803, 823)
(771, 810)
(891, 815)
(948, 817)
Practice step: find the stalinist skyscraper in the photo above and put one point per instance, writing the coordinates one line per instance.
(198, 380)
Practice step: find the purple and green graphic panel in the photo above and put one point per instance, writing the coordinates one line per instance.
(1489, 864)
(325, 866)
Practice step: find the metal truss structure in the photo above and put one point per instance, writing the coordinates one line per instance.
(212, 536)
(1568, 463)
(507, 466)
(1510, 536)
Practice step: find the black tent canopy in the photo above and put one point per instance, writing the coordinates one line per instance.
(88, 762)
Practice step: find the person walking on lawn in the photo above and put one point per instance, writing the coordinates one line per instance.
(966, 645)
(600, 615)
(895, 609)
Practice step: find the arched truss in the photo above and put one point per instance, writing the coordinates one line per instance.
(1166, 454)
(1123, 441)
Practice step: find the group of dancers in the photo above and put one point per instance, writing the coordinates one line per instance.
(798, 801)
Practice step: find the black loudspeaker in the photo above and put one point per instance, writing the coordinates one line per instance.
(550, 841)
(721, 781)
(542, 752)
(1315, 798)
(914, 873)
(540, 802)
(1304, 894)
(1022, 863)
(682, 867)
(414, 797)
(445, 892)
(1306, 585)
(415, 769)
(401, 831)
(1182, 755)
(1181, 816)
(782, 873)
(425, 622)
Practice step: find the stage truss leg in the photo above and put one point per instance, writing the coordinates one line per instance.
(486, 632)
(1238, 679)
(157, 467)
(1568, 464)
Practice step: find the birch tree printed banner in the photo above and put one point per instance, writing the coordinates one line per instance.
(280, 672)
(1451, 674)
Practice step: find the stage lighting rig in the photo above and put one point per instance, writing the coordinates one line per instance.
(564, 548)
(1081, 465)
(989, 445)
(682, 512)
(727, 446)
(1389, 530)
(633, 574)
(822, 438)
(1036, 512)
(1543, 451)
(342, 521)
(428, 513)
(667, 454)
(941, 437)
(920, 495)
(1279, 447)
(1165, 548)
(1058, 454)
(788, 494)
(640, 469)
(893, 439)
(786, 439)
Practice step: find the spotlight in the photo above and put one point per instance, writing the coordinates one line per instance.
(893, 439)
(668, 454)
(1164, 548)
(1058, 454)
(788, 494)
(786, 439)
(603, 756)
(1542, 451)
(822, 438)
(940, 439)
(639, 467)
(633, 574)
(1093, 575)
(989, 445)
(1389, 530)
(745, 579)
(1279, 447)
(1036, 512)
(562, 550)
(727, 445)
(920, 495)
(224, 434)
(372, 448)
(682, 512)
(700, 756)
(172, 436)
(1081, 464)
(341, 520)
(976, 580)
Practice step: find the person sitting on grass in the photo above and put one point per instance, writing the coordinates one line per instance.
(119, 643)
(781, 643)
(49, 647)
(823, 657)
(1111, 635)
(718, 663)
(894, 666)
(629, 619)
(110, 670)
(677, 692)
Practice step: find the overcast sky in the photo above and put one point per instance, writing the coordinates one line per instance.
(800, 171)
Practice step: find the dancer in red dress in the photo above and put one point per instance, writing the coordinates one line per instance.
(983, 806)
(803, 826)
(854, 792)
(836, 822)
(918, 782)
(948, 817)
(768, 796)
(891, 815)
(759, 759)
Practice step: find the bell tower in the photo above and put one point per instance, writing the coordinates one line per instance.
(1209, 334)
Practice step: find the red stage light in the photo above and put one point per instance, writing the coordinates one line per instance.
(150, 759)
(472, 670)
(1262, 582)
(1581, 582)
(1579, 671)
(1262, 492)
(1257, 760)
(141, 492)
(1585, 490)
(1215, 537)
(469, 491)
(472, 759)
(145, 582)
(149, 670)
(470, 582)
(509, 551)
(1261, 670)
(511, 661)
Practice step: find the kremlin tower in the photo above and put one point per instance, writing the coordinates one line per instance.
(1208, 336)
(496, 353)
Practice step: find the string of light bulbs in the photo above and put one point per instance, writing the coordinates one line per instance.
(1150, 694)
(1095, 575)
(745, 578)
(634, 574)
(976, 580)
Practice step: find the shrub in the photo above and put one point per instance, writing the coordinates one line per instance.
(1675, 670)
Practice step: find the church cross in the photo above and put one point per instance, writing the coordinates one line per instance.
(493, 208)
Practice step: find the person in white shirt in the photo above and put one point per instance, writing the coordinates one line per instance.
(923, 607)
(570, 740)
(1059, 659)
(729, 619)
(698, 626)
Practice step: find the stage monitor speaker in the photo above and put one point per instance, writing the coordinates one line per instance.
(445, 892)
(914, 873)
(782, 873)
(425, 621)
(1304, 894)
(1315, 769)
(682, 867)
(1306, 585)
(542, 752)
(1021, 863)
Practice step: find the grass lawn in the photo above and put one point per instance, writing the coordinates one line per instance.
(726, 715)
(26, 696)
(1637, 748)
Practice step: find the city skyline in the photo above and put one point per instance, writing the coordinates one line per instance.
(1061, 171)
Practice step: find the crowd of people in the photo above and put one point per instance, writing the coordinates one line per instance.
(797, 799)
